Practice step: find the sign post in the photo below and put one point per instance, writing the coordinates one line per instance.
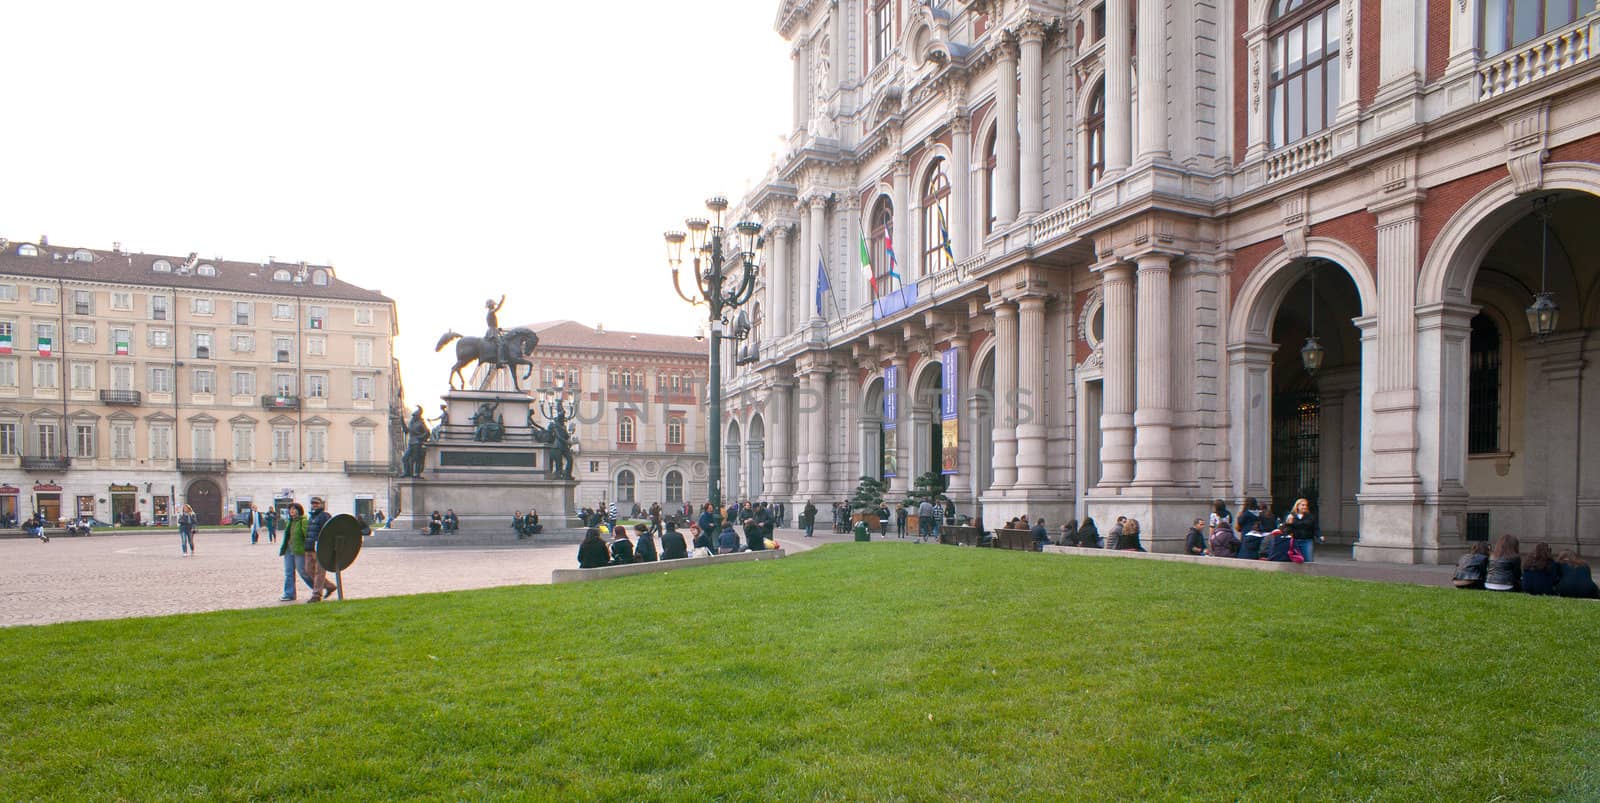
(339, 544)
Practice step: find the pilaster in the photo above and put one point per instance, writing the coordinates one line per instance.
(1117, 348)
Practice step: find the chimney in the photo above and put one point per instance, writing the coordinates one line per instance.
(44, 240)
(116, 247)
(599, 328)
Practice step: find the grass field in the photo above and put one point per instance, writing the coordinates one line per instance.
(856, 671)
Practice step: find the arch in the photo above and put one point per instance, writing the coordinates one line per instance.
(625, 486)
(672, 487)
(755, 450)
(923, 407)
(1262, 293)
(732, 462)
(1451, 264)
(206, 498)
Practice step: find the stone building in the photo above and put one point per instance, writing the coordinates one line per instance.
(640, 410)
(131, 384)
(1121, 230)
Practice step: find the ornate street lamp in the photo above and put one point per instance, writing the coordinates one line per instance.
(1312, 352)
(723, 285)
(1544, 312)
(553, 404)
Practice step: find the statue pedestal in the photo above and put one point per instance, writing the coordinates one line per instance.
(484, 479)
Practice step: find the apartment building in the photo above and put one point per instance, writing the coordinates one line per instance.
(131, 384)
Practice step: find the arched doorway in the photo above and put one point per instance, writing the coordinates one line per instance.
(627, 487)
(871, 434)
(732, 449)
(983, 424)
(206, 498)
(755, 457)
(927, 434)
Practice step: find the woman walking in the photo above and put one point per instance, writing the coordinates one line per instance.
(293, 551)
(186, 523)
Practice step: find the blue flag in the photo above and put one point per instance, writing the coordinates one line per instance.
(822, 283)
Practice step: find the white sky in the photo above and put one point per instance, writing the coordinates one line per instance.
(439, 152)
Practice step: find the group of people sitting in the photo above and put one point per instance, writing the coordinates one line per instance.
(448, 522)
(1504, 569)
(711, 533)
(526, 524)
(1258, 534)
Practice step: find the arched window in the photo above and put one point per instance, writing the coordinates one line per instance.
(625, 429)
(1508, 23)
(27, 250)
(990, 175)
(1303, 71)
(161, 266)
(280, 275)
(674, 488)
(1483, 387)
(1095, 122)
(937, 253)
(624, 486)
(881, 245)
(207, 270)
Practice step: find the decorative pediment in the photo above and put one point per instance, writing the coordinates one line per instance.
(281, 421)
(317, 421)
(7, 412)
(242, 420)
(118, 417)
(363, 423)
(84, 415)
(202, 418)
(160, 417)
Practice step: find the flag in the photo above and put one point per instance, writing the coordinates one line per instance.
(888, 247)
(944, 236)
(316, 323)
(44, 347)
(822, 283)
(866, 267)
(5, 344)
(122, 348)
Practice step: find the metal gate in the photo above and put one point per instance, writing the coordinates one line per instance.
(1295, 447)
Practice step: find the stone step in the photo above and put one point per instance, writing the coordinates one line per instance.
(473, 538)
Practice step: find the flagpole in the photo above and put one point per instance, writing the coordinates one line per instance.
(823, 264)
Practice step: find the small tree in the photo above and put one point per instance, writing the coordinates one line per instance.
(929, 486)
(868, 496)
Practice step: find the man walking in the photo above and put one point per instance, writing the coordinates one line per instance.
(808, 517)
(924, 520)
(320, 585)
(255, 523)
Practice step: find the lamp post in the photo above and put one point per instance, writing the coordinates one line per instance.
(723, 285)
(1544, 312)
(1312, 352)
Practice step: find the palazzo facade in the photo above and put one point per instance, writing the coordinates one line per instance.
(1099, 235)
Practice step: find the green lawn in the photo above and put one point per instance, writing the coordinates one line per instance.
(856, 671)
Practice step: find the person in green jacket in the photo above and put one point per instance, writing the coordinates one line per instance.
(293, 550)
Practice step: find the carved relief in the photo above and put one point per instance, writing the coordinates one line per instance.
(1350, 33)
(1086, 318)
(1296, 223)
(1526, 134)
(1255, 78)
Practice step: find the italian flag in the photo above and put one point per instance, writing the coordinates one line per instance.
(122, 348)
(866, 266)
(44, 347)
(5, 344)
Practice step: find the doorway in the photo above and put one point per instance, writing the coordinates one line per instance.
(206, 499)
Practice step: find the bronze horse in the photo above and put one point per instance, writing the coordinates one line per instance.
(521, 342)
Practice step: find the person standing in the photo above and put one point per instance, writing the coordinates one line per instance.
(899, 520)
(272, 525)
(1302, 525)
(808, 517)
(321, 586)
(255, 523)
(186, 524)
(925, 520)
(293, 551)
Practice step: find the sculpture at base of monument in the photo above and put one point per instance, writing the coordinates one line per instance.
(417, 435)
(559, 435)
(487, 424)
(498, 348)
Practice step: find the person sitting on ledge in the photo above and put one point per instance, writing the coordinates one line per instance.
(1275, 546)
(1224, 544)
(1576, 580)
(435, 523)
(727, 540)
(1250, 540)
(644, 550)
(518, 526)
(1089, 534)
(1129, 541)
(592, 553)
(621, 547)
(1195, 542)
(1539, 574)
(672, 546)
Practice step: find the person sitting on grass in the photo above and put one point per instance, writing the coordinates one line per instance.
(1224, 544)
(1472, 567)
(644, 550)
(1539, 574)
(727, 540)
(1576, 580)
(672, 545)
(592, 553)
(621, 547)
(1194, 543)
(1505, 565)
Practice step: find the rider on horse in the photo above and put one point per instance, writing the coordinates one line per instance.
(493, 336)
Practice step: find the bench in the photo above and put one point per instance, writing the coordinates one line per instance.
(1020, 540)
(626, 569)
(960, 535)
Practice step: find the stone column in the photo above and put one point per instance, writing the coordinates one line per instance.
(778, 412)
(1119, 90)
(1153, 415)
(1031, 37)
(1031, 407)
(1152, 79)
(1396, 402)
(960, 165)
(1250, 413)
(1005, 201)
(1005, 395)
(903, 247)
(808, 262)
(778, 281)
(960, 484)
(1116, 419)
(901, 482)
(798, 56)
(803, 401)
(817, 431)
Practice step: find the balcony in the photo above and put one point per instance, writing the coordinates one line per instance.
(284, 402)
(30, 463)
(202, 466)
(131, 398)
(358, 467)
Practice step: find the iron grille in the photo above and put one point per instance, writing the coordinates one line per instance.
(1478, 526)
(1483, 383)
(1295, 447)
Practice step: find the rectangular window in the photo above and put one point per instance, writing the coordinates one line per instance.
(202, 345)
(46, 374)
(244, 343)
(160, 379)
(83, 376)
(82, 333)
(159, 310)
(283, 384)
(675, 431)
(363, 316)
(8, 439)
(317, 346)
(121, 341)
(317, 317)
(122, 377)
(363, 352)
(8, 372)
(1303, 77)
(549, 376)
(48, 442)
(282, 445)
(44, 336)
(82, 302)
(282, 312)
(282, 347)
(205, 381)
(160, 338)
(202, 440)
(243, 444)
(160, 442)
(121, 300)
(121, 441)
(363, 445)
(44, 295)
(316, 386)
(244, 383)
(881, 29)
(316, 445)
(83, 440)
(243, 312)
(200, 306)
(8, 292)
(361, 387)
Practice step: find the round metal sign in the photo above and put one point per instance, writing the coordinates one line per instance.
(340, 542)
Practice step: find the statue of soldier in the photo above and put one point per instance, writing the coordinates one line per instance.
(493, 335)
(486, 427)
(417, 435)
(560, 438)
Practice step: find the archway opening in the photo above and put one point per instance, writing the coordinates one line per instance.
(983, 424)
(732, 450)
(927, 429)
(871, 434)
(206, 499)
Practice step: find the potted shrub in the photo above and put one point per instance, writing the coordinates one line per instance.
(864, 504)
(930, 487)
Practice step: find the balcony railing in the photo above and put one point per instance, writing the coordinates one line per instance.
(132, 398)
(1303, 155)
(363, 467)
(280, 402)
(1529, 62)
(202, 466)
(31, 463)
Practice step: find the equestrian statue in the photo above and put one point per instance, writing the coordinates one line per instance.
(498, 348)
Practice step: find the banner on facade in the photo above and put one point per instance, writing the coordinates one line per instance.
(891, 464)
(948, 418)
(891, 407)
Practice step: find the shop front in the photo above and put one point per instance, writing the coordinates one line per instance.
(8, 505)
(124, 505)
(47, 503)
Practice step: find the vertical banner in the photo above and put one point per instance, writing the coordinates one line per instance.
(891, 408)
(950, 447)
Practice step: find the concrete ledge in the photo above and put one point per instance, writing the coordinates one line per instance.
(1420, 574)
(603, 572)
